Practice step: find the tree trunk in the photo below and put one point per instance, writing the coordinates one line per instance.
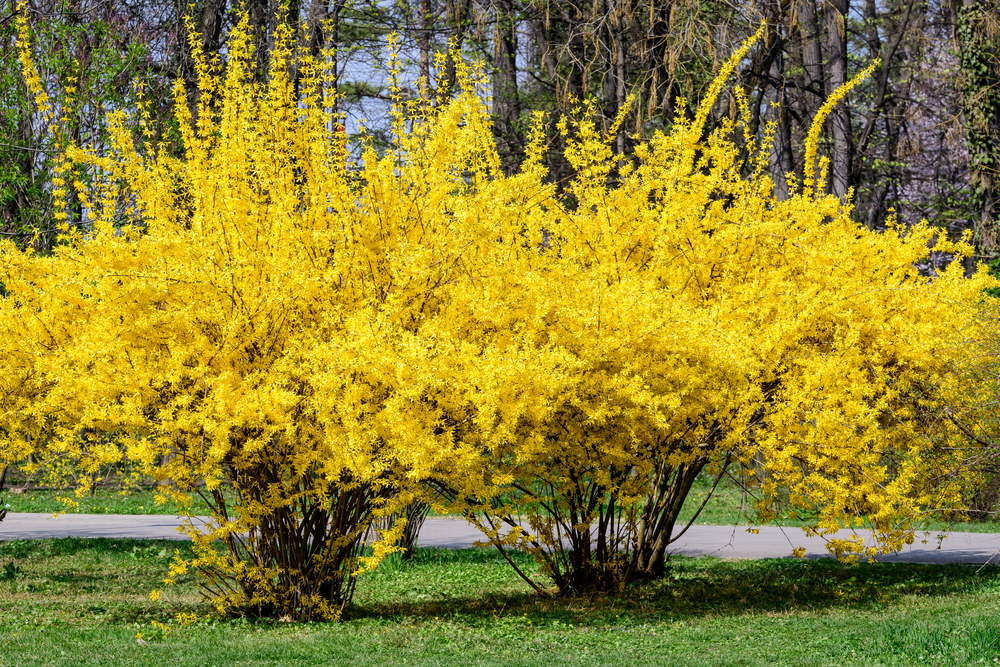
(812, 77)
(780, 158)
(812, 55)
(207, 18)
(978, 43)
(886, 107)
(506, 103)
(261, 15)
(663, 91)
(840, 119)
(457, 14)
(618, 15)
(424, 45)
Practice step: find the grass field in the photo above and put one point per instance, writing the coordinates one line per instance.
(103, 501)
(82, 602)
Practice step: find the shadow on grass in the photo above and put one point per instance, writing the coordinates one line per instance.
(476, 586)
(74, 576)
(694, 588)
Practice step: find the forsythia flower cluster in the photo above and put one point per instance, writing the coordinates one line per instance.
(307, 340)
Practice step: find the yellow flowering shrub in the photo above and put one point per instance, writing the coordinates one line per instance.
(311, 343)
(685, 322)
(968, 423)
(259, 322)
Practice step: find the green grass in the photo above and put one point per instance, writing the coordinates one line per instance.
(119, 492)
(81, 602)
(727, 506)
(103, 501)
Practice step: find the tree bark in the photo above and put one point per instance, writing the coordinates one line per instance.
(618, 12)
(506, 101)
(980, 66)
(424, 45)
(457, 15)
(886, 107)
(261, 15)
(812, 54)
(663, 92)
(780, 158)
(840, 119)
(207, 17)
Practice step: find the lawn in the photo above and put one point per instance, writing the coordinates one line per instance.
(105, 500)
(83, 602)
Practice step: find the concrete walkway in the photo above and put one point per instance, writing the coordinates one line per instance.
(721, 541)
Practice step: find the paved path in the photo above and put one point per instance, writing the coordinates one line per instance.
(722, 541)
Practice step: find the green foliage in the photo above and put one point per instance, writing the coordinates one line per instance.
(994, 268)
(104, 501)
(10, 572)
(86, 66)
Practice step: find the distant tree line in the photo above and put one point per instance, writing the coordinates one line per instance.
(921, 138)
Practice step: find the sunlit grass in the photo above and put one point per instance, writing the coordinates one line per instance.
(83, 602)
(103, 501)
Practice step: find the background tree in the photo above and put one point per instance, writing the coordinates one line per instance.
(978, 35)
(901, 142)
(92, 54)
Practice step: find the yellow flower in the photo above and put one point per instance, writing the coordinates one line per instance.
(297, 330)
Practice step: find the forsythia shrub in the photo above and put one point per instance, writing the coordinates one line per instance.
(684, 321)
(971, 412)
(311, 343)
(258, 321)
